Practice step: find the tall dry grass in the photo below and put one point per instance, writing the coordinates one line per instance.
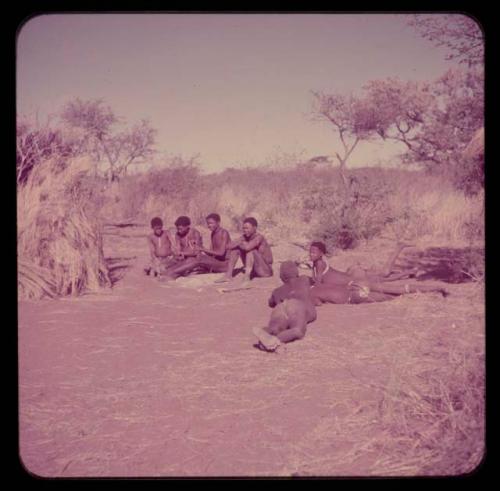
(59, 243)
(429, 209)
(301, 203)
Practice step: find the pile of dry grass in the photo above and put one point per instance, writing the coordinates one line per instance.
(59, 237)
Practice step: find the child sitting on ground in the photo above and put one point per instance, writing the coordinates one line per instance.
(292, 309)
(160, 248)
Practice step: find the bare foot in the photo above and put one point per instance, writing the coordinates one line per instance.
(270, 342)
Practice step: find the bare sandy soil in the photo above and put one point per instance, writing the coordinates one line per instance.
(153, 379)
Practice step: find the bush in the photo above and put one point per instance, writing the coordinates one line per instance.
(346, 217)
(301, 203)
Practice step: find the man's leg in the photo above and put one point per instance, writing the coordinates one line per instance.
(278, 323)
(154, 266)
(338, 294)
(402, 287)
(297, 321)
(380, 275)
(233, 258)
(392, 258)
(256, 266)
(363, 296)
(150, 267)
(181, 268)
(213, 265)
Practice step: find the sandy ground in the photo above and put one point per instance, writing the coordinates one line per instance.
(155, 379)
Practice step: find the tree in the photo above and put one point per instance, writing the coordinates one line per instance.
(461, 95)
(353, 118)
(96, 123)
(435, 121)
(34, 144)
(459, 34)
(401, 108)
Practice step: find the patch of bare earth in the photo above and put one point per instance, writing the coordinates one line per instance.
(158, 379)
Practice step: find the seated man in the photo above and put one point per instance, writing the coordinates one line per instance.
(254, 252)
(187, 242)
(160, 248)
(213, 260)
(292, 309)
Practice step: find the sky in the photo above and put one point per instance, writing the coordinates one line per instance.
(234, 89)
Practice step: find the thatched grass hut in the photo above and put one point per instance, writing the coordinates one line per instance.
(59, 235)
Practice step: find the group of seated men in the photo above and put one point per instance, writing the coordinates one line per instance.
(294, 303)
(185, 253)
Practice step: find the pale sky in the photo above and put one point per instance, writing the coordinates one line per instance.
(233, 88)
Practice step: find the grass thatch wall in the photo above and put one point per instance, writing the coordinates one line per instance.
(59, 240)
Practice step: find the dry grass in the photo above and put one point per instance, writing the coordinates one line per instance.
(390, 389)
(59, 240)
(437, 215)
(425, 417)
(299, 204)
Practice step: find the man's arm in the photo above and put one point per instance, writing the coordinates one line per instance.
(251, 244)
(278, 295)
(151, 247)
(220, 247)
(234, 244)
(195, 244)
(198, 239)
(176, 247)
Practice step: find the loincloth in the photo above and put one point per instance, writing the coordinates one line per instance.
(357, 291)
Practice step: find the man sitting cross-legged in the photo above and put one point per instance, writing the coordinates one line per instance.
(292, 309)
(254, 251)
(213, 260)
(187, 242)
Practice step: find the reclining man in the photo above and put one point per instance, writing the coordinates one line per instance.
(323, 273)
(292, 309)
(357, 285)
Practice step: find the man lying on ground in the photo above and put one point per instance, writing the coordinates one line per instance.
(323, 273)
(254, 251)
(292, 309)
(160, 248)
(213, 260)
(358, 285)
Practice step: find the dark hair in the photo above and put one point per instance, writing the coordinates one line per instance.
(213, 216)
(183, 221)
(156, 222)
(250, 220)
(320, 245)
